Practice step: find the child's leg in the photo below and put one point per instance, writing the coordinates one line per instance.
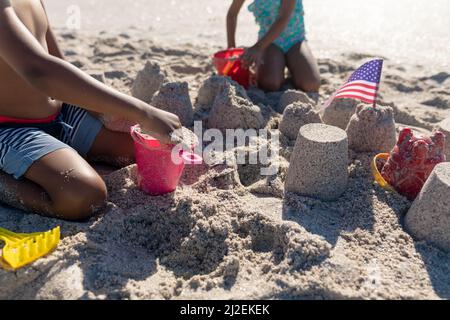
(61, 184)
(271, 72)
(303, 67)
(113, 148)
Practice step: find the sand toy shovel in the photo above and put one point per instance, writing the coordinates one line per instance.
(21, 249)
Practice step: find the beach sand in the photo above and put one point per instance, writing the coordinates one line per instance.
(228, 232)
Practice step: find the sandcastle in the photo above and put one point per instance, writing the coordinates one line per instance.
(444, 127)
(291, 96)
(429, 216)
(174, 97)
(211, 87)
(231, 111)
(219, 171)
(372, 129)
(295, 116)
(339, 112)
(319, 163)
(148, 81)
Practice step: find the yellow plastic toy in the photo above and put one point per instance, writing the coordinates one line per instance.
(21, 248)
(377, 175)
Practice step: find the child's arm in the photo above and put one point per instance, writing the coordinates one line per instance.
(59, 79)
(232, 15)
(254, 54)
(52, 44)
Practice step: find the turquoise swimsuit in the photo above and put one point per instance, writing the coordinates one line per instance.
(266, 13)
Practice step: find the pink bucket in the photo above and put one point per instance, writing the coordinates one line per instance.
(158, 174)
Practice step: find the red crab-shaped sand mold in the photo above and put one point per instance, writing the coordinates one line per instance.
(412, 160)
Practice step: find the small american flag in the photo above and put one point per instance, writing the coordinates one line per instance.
(362, 85)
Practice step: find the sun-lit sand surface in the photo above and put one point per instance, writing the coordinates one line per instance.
(407, 31)
(227, 232)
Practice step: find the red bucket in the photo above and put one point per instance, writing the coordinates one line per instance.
(158, 173)
(228, 63)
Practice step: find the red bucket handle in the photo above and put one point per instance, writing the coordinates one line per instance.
(191, 158)
(140, 139)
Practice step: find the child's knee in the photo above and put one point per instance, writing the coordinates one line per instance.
(310, 85)
(81, 200)
(270, 84)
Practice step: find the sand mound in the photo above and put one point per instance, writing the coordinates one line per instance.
(174, 97)
(340, 111)
(251, 168)
(428, 217)
(211, 87)
(218, 171)
(231, 111)
(291, 96)
(296, 116)
(372, 129)
(258, 97)
(444, 127)
(272, 185)
(191, 235)
(148, 81)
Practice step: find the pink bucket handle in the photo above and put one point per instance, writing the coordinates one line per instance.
(141, 140)
(135, 136)
(191, 158)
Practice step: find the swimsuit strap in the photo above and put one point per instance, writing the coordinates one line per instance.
(5, 119)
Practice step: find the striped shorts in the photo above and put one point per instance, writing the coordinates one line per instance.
(23, 144)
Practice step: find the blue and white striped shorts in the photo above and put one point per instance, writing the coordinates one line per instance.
(22, 145)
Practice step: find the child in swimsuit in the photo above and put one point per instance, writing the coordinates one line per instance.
(44, 141)
(281, 43)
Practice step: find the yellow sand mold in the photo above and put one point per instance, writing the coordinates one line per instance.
(21, 249)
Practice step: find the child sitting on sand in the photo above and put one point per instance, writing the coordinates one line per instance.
(281, 43)
(44, 135)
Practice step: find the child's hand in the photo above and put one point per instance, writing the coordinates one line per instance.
(253, 56)
(160, 124)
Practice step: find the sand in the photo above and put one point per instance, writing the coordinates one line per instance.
(218, 238)
(339, 112)
(291, 96)
(185, 137)
(211, 87)
(231, 111)
(319, 164)
(444, 127)
(428, 218)
(148, 81)
(372, 129)
(295, 116)
(174, 97)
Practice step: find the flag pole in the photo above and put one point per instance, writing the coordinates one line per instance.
(378, 86)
